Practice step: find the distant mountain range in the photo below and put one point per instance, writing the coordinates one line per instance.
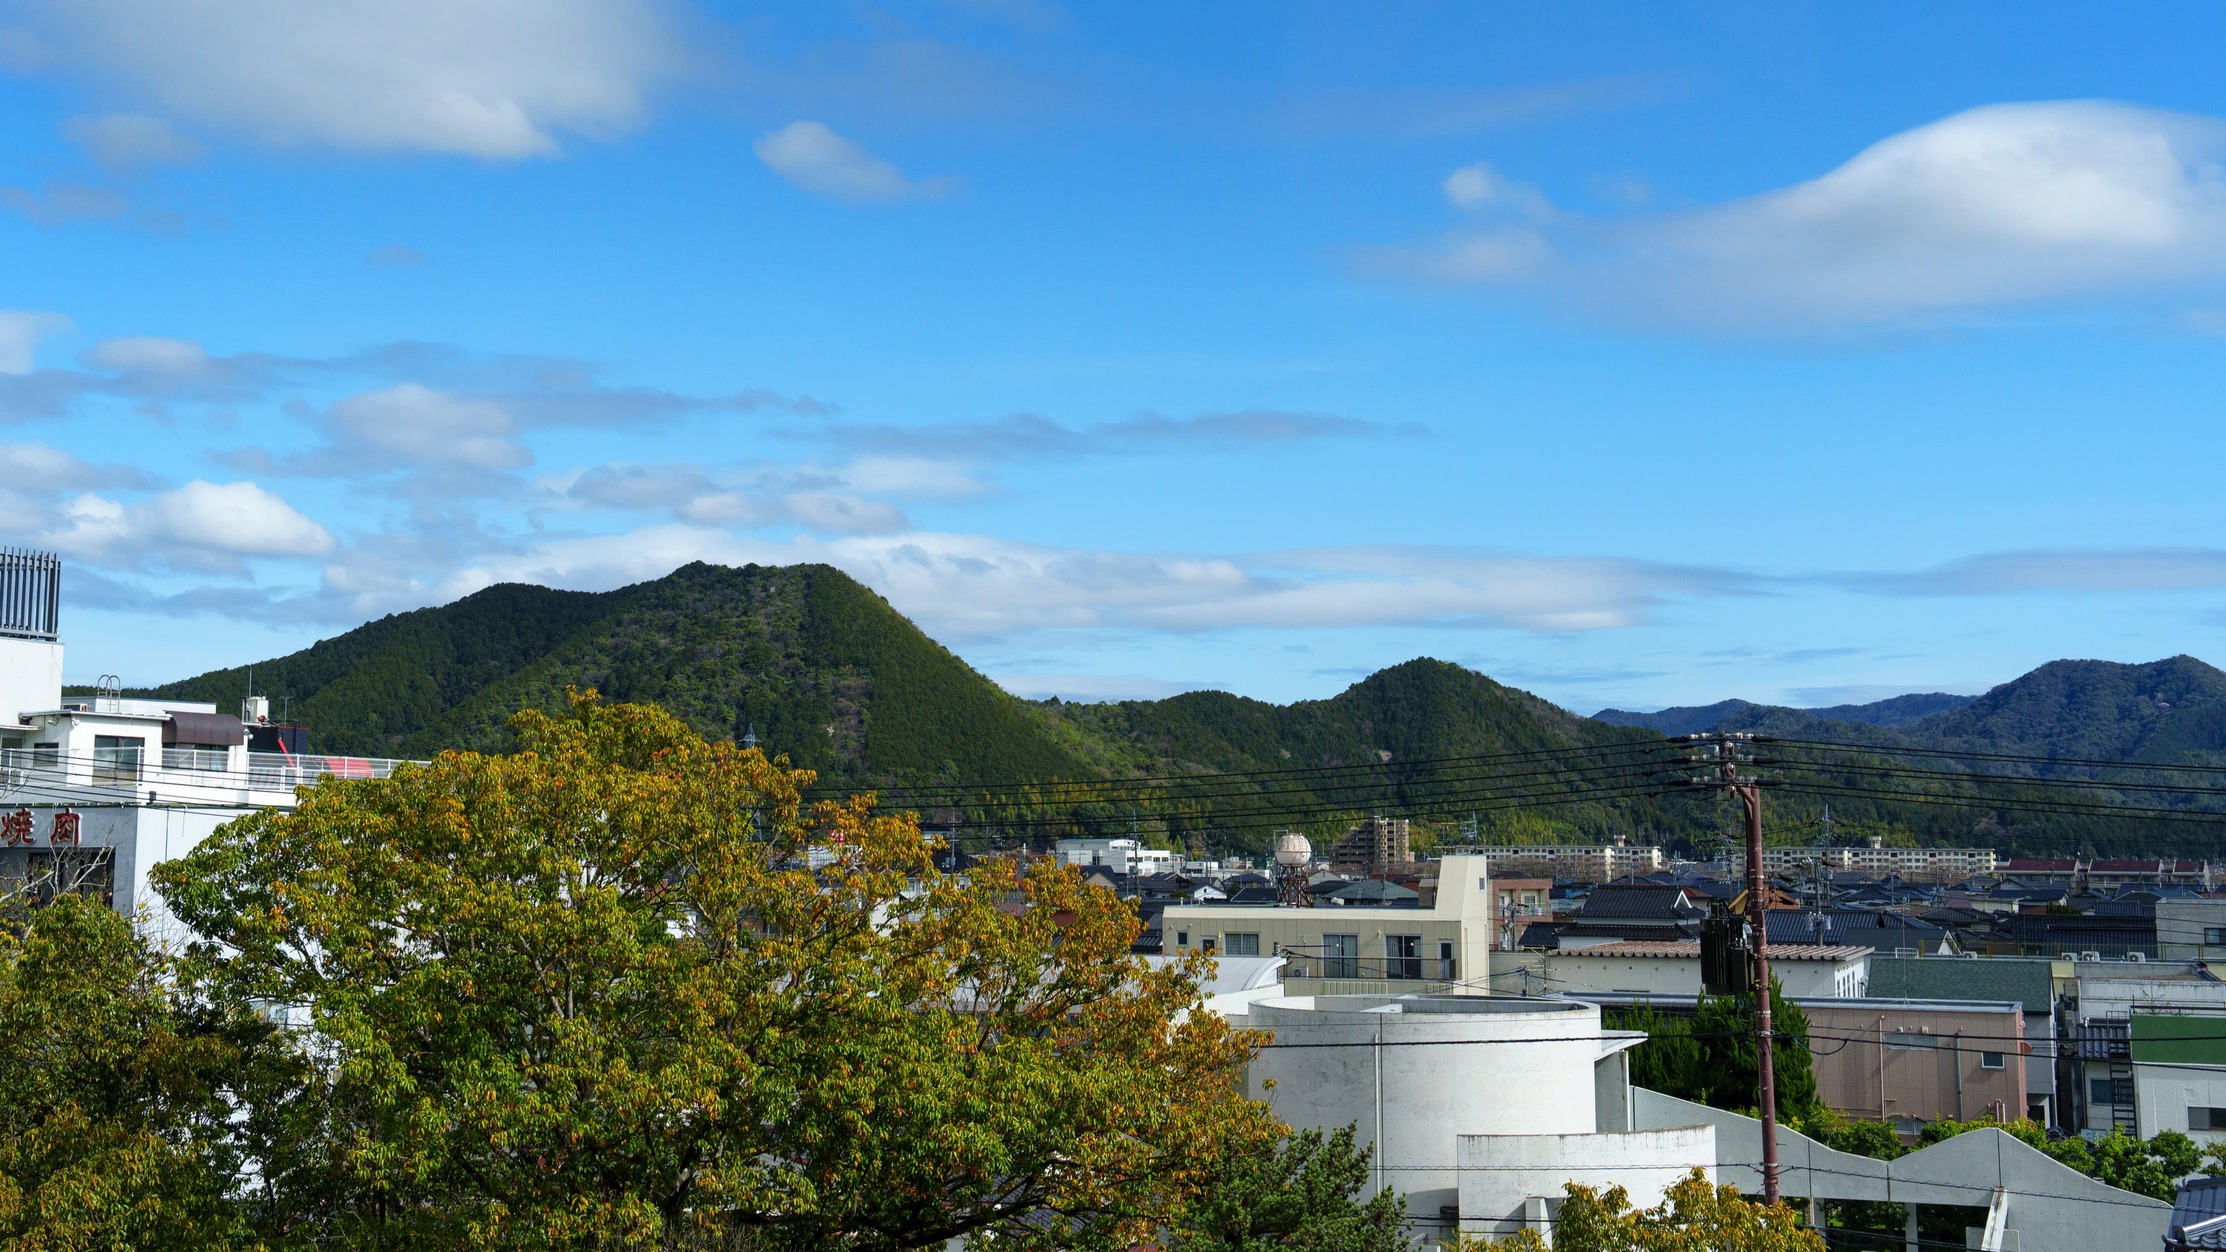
(2172, 710)
(1732, 715)
(822, 669)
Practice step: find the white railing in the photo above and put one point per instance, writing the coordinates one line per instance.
(285, 769)
(187, 775)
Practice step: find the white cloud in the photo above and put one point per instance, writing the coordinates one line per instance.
(822, 162)
(152, 359)
(2082, 571)
(2002, 206)
(973, 586)
(59, 201)
(125, 141)
(422, 426)
(497, 79)
(1479, 187)
(20, 333)
(201, 526)
(768, 498)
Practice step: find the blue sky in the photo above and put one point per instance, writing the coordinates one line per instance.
(1634, 356)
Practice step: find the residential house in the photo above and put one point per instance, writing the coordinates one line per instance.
(2034, 985)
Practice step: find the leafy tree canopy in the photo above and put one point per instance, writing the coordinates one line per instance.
(1297, 1191)
(1695, 1216)
(623, 988)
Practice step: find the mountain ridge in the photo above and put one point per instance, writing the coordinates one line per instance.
(823, 670)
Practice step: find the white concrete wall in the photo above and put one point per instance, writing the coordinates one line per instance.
(142, 838)
(2162, 1095)
(1414, 1075)
(30, 678)
(2182, 925)
(2050, 1207)
(1570, 970)
(1575, 970)
(1500, 1173)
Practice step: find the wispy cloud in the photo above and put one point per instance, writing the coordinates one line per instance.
(2095, 570)
(495, 79)
(2006, 206)
(1025, 435)
(122, 142)
(810, 156)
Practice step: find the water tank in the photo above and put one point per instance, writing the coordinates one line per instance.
(1292, 851)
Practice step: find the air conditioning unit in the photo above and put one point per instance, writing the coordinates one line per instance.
(2090, 956)
(2137, 957)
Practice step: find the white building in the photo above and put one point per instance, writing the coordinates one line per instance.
(1928, 864)
(1479, 1110)
(1584, 862)
(96, 791)
(1671, 967)
(1119, 856)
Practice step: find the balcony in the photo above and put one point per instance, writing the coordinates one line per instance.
(180, 775)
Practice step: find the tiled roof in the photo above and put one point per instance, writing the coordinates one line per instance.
(2124, 867)
(1691, 950)
(1639, 902)
(2039, 866)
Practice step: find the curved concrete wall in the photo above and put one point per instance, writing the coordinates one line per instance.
(1416, 1074)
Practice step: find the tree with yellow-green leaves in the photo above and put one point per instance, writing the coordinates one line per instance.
(1694, 1216)
(119, 1096)
(625, 988)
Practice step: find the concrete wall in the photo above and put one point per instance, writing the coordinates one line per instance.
(1912, 1060)
(2163, 1094)
(141, 838)
(1461, 916)
(1415, 1074)
(1501, 1174)
(2182, 926)
(2045, 1206)
(1577, 970)
(30, 678)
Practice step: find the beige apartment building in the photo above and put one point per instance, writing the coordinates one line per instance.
(1516, 903)
(1916, 1061)
(1335, 949)
(1581, 862)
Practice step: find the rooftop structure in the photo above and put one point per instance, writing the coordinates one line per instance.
(95, 790)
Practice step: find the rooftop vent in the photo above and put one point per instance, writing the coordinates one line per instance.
(30, 594)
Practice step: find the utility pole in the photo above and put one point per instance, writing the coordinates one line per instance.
(1749, 790)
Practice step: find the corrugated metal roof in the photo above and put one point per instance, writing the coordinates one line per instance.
(1691, 950)
(1953, 978)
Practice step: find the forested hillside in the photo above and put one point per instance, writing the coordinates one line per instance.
(825, 671)
(818, 665)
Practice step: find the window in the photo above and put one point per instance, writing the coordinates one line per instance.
(116, 760)
(1402, 956)
(2201, 1118)
(1242, 945)
(1993, 1060)
(2099, 1091)
(1448, 969)
(1340, 956)
(1905, 1041)
(2214, 936)
(1182, 938)
(1206, 945)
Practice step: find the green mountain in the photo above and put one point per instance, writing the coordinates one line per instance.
(810, 659)
(824, 670)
